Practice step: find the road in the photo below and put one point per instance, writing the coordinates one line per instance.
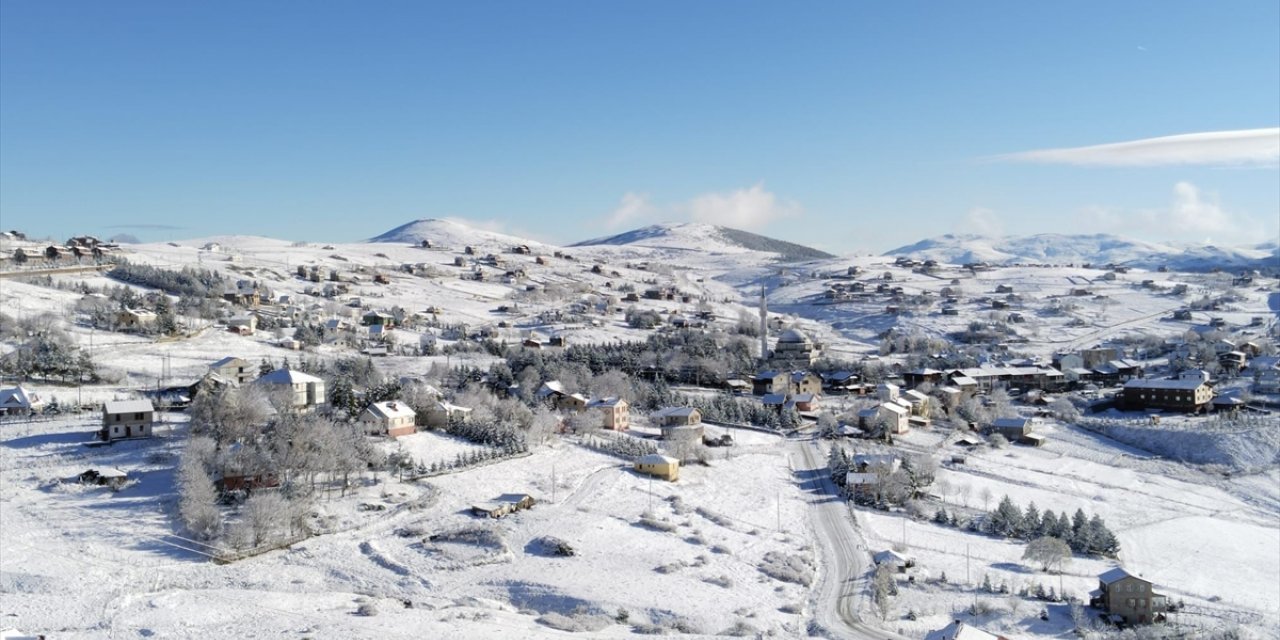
(843, 578)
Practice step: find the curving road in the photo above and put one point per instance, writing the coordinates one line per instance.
(842, 584)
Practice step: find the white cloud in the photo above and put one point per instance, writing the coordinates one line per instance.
(1246, 147)
(633, 207)
(749, 208)
(1192, 215)
(982, 221)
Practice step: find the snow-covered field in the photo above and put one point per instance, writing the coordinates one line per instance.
(79, 562)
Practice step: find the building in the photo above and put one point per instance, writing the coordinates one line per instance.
(1128, 599)
(805, 382)
(390, 418)
(895, 418)
(304, 391)
(503, 505)
(898, 562)
(19, 401)
(1185, 393)
(135, 320)
(770, 381)
(677, 416)
(658, 465)
(794, 351)
(440, 414)
(1019, 430)
(615, 413)
(127, 419)
(234, 369)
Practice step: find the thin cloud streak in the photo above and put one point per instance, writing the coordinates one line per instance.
(1246, 147)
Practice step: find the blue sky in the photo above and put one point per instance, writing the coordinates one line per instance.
(849, 126)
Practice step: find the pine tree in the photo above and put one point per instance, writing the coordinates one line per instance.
(986, 583)
(1007, 519)
(1101, 540)
(940, 516)
(1030, 522)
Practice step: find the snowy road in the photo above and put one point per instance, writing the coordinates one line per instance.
(844, 555)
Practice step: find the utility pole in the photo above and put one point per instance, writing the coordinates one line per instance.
(779, 502)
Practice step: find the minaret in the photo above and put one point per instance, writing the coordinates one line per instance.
(764, 328)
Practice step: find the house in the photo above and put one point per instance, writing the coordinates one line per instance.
(503, 505)
(135, 319)
(378, 318)
(126, 419)
(234, 369)
(894, 417)
(243, 325)
(913, 379)
(1184, 393)
(551, 391)
(658, 465)
(774, 401)
(441, 413)
(615, 413)
(737, 386)
(887, 392)
(19, 401)
(1019, 430)
(1128, 599)
(839, 382)
(898, 562)
(920, 403)
(805, 401)
(867, 473)
(677, 416)
(805, 382)
(390, 418)
(958, 630)
(770, 382)
(303, 390)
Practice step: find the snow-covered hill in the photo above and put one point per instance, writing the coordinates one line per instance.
(450, 233)
(1054, 248)
(709, 238)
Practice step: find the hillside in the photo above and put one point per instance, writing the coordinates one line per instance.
(707, 238)
(1053, 248)
(449, 233)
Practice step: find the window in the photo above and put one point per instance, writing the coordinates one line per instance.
(137, 416)
(1129, 603)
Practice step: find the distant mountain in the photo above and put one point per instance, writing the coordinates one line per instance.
(697, 236)
(450, 233)
(1101, 248)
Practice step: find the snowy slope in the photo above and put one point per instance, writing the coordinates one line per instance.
(1053, 248)
(707, 238)
(452, 234)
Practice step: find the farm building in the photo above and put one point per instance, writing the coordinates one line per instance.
(503, 505)
(658, 465)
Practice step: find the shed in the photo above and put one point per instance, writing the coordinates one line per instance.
(656, 464)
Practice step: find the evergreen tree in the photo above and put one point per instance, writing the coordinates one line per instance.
(1006, 520)
(940, 516)
(1101, 540)
(1031, 522)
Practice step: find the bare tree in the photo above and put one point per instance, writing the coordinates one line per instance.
(963, 490)
(986, 498)
(1048, 552)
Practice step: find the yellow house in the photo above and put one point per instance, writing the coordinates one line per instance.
(615, 414)
(656, 464)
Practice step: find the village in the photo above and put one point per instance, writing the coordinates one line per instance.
(455, 429)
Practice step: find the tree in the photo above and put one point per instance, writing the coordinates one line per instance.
(1049, 553)
(1031, 521)
(1006, 519)
(1101, 540)
(198, 499)
(920, 469)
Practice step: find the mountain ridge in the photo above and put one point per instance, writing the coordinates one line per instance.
(1097, 248)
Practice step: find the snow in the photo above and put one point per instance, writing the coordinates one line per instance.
(85, 562)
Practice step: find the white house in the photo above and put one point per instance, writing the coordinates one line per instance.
(390, 418)
(305, 390)
(19, 401)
